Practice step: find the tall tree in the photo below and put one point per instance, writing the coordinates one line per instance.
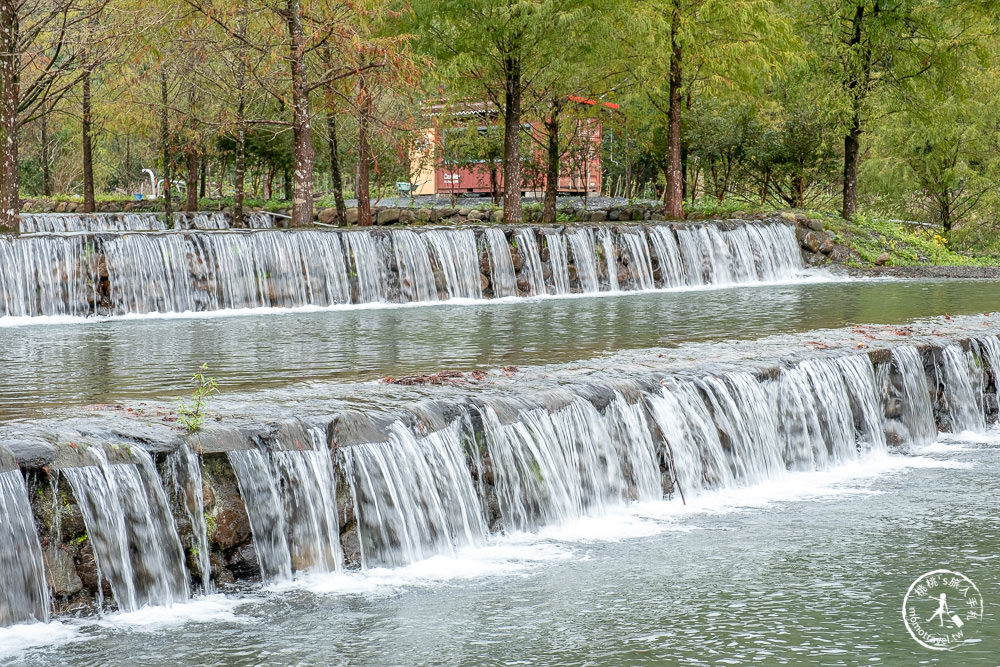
(40, 58)
(681, 45)
(336, 178)
(872, 48)
(501, 52)
(303, 28)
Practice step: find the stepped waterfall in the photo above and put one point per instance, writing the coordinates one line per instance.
(375, 489)
(54, 223)
(110, 271)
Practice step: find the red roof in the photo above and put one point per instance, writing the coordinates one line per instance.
(584, 100)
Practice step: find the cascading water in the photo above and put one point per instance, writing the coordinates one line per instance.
(990, 347)
(258, 488)
(309, 492)
(693, 250)
(47, 275)
(205, 221)
(859, 377)
(131, 530)
(416, 277)
(58, 223)
(367, 266)
(610, 259)
(456, 255)
(289, 497)
(817, 424)
(770, 252)
(118, 274)
(260, 220)
(747, 253)
(504, 279)
(558, 262)
(184, 480)
(23, 595)
(413, 497)
(581, 242)
(735, 430)
(960, 400)
(668, 256)
(90, 222)
(527, 249)
(502, 462)
(910, 415)
(151, 274)
(637, 249)
(553, 466)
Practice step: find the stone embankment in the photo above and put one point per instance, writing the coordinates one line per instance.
(71, 570)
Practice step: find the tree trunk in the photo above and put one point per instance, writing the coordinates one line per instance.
(852, 146)
(512, 213)
(675, 177)
(855, 84)
(364, 159)
(286, 177)
(88, 156)
(203, 169)
(165, 149)
(305, 155)
(494, 185)
(191, 179)
(798, 191)
(128, 158)
(945, 211)
(552, 165)
(684, 175)
(10, 204)
(240, 159)
(46, 158)
(336, 178)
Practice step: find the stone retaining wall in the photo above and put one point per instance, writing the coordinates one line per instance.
(69, 560)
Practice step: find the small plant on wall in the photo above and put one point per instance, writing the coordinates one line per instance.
(191, 413)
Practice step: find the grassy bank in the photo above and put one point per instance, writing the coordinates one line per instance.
(868, 237)
(906, 244)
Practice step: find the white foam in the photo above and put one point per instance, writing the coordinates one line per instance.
(503, 558)
(991, 437)
(206, 609)
(521, 553)
(625, 523)
(16, 639)
(940, 447)
(652, 518)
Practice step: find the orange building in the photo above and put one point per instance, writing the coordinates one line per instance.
(580, 171)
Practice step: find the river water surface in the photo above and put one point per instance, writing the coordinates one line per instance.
(809, 569)
(47, 366)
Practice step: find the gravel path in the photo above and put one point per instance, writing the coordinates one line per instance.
(471, 201)
(926, 271)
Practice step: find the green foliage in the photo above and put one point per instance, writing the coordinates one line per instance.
(191, 414)
(768, 92)
(210, 524)
(329, 201)
(906, 243)
(711, 207)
